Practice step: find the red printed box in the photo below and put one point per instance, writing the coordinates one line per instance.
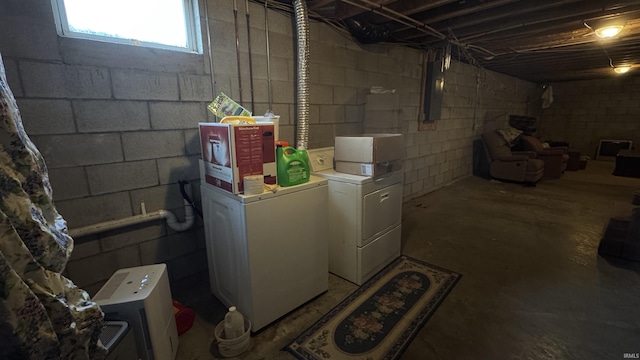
(231, 151)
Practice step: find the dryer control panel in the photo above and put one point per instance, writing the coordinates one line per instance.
(321, 159)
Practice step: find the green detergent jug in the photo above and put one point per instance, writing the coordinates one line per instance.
(293, 166)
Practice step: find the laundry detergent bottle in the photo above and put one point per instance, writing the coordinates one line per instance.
(293, 166)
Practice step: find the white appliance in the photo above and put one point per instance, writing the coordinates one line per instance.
(365, 216)
(267, 253)
(118, 338)
(141, 296)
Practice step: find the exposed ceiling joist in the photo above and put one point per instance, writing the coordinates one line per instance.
(542, 40)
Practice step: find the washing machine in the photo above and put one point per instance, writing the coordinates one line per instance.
(267, 253)
(365, 217)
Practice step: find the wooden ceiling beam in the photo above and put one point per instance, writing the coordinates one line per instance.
(593, 60)
(535, 40)
(539, 25)
(463, 11)
(509, 12)
(552, 39)
(534, 24)
(493, 13)
(319, 4)
(345, 11)
(418, 6)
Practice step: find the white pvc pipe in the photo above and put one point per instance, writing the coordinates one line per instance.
(172, 222)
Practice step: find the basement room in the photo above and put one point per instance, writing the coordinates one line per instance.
(319, 179)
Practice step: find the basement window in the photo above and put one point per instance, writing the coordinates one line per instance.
(164, 24)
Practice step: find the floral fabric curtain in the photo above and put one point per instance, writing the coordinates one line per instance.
(43, 315)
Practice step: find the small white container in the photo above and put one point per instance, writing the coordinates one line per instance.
(233, 324)
(253, 184)
(233, 347)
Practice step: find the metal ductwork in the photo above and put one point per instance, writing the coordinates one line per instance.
(302, 27)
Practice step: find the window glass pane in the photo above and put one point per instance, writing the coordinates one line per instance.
(157, 21)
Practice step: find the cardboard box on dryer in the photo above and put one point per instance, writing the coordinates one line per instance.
(368, 169)
(369, 154)
(232, 151)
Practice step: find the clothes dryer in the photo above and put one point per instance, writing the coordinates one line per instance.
(365, 216)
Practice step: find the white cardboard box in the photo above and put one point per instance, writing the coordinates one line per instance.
(368, 169)
(369, 154)
(369, 148)
(230, 152)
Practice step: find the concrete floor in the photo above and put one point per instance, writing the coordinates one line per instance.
(533, 285)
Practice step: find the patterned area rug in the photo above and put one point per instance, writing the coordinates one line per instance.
(380, 319)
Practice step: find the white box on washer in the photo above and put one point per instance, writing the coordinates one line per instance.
(142, 297)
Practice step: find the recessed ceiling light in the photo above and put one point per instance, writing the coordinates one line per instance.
(621, 69)
(608, 31)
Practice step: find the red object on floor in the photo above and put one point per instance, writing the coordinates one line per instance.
(184, 317)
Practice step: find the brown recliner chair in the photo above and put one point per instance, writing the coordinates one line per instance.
(520, 166)
(555, 158)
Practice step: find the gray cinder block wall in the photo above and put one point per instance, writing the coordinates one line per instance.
(117, 124)
(584, 112)
(474, 101)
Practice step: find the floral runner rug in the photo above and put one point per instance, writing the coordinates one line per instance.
(379, 320)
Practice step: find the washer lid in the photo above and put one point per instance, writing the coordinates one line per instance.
(321, 164)
(333, 175)
(321, 159)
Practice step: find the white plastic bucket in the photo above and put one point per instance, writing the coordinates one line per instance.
(233, 347)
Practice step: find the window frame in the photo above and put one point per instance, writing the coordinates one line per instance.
(191, 18)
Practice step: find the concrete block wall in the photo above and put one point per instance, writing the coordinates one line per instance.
(382, 113)
(475, 100)
(584, 112)
(117, 124)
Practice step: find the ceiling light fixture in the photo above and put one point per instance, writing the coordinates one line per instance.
(607, 32)
(621, 69)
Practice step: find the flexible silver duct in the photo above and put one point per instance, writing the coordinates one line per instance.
(211, 72)
(302, 26)
(266, 32)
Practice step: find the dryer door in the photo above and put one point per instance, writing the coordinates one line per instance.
(382, 210)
